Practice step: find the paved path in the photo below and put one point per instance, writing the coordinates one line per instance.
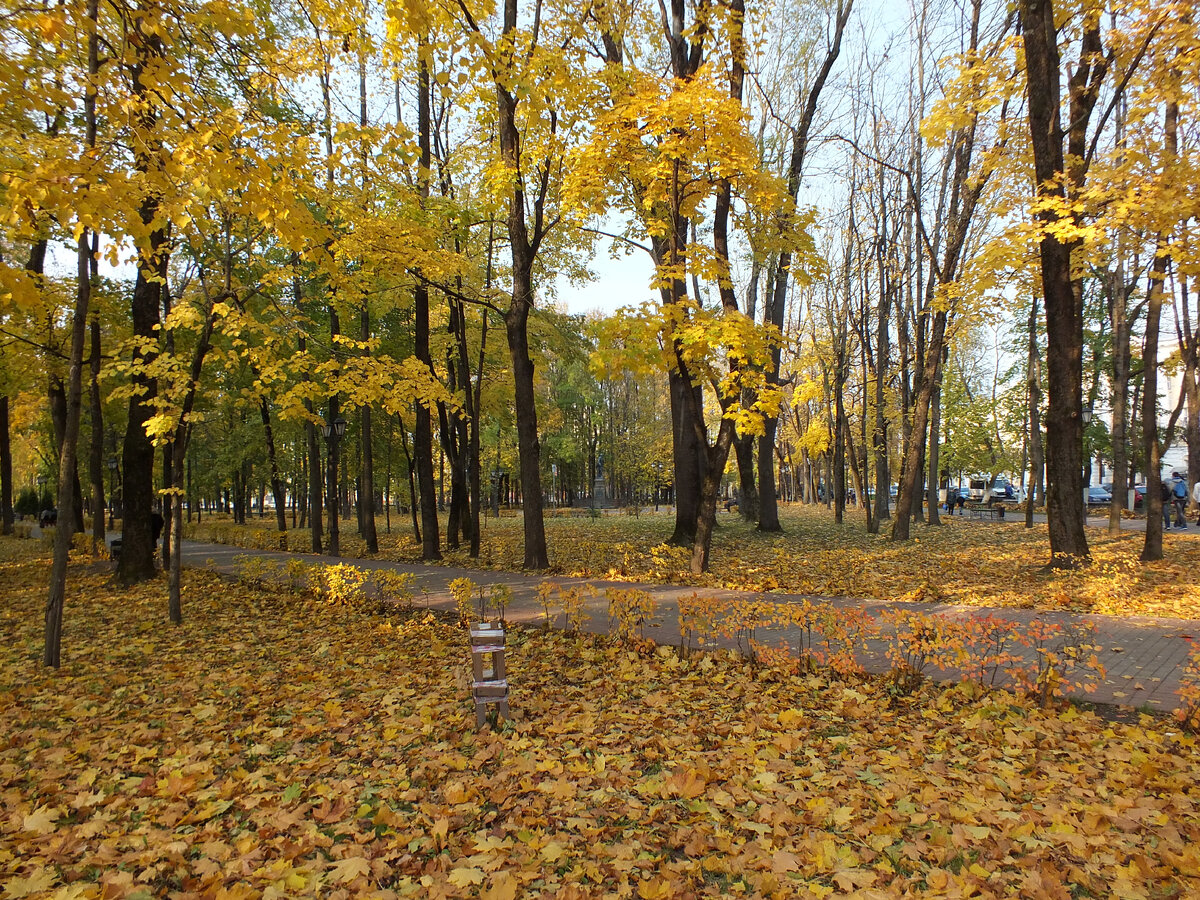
(1143, 656)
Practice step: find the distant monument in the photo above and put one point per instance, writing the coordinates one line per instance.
(600, 497)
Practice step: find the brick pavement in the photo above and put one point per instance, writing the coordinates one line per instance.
(1143, 656)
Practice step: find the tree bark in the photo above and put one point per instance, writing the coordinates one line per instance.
(6, 482)
(1061, 289)
(423, 430)
(1152, 546)
(96, 416)
(277, 491)
(776, 305)
(366, 439)
(52, 655)
(1035, 414)
(52, 651)
(137, 562)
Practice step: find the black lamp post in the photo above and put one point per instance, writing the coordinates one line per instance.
(112, 489)
(333, 431)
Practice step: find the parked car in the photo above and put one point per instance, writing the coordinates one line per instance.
(1001, 490)
(1098, 495)
(1139, 492)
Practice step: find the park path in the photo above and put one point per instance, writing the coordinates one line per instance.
(1143, 657)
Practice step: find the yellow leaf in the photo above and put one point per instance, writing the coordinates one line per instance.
(503, 887)
(40, 821)
(346, 870)
(790, 717)
(466, 875)
(39, 881)
(655, 889)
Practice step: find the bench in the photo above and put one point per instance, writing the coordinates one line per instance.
(992, 513)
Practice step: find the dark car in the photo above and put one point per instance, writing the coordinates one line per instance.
(1139, 492)
(1098, 495)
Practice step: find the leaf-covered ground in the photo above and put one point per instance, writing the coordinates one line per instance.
(968, 562)
(275, 747)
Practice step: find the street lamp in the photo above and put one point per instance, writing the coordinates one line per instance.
(112, 488)
(336, 427)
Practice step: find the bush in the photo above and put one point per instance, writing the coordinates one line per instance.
(28, 503)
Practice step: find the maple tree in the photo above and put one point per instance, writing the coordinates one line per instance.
(323, 211)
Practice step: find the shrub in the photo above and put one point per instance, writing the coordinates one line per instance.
(395, 587)
(697, 621)
(501, 596)
(628, 612)
(461, 590)
(27, 503)
(298, 574)
(344, 585)
(919, 641)
(1064, 657)
(544, 591)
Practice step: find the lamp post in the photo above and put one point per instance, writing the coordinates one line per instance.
(333, 431)
(112, 489)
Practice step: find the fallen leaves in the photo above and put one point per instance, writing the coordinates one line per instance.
(962, 562)
(336, 757)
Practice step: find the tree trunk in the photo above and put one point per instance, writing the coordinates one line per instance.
(910, 470)
(6, 482)
(1122, 363)
(536, 556)
(367, 498)
(1063, 293)
(96, 416)
(332, 494)
(277, 491)
(1152, 546)
(748, 506)
(423, 431)
(768, 509)
(1035, 415)
(52, 655)
(776, 306)
(137, 488)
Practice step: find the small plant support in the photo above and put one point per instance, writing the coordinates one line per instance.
(489, 684)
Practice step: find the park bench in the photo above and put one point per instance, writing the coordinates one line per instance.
(991, 513)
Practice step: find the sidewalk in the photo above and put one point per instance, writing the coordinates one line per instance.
(1143, 657)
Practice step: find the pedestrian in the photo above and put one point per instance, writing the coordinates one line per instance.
(949, 502)
(962, 501)
(1179, 494)
(1164, 489)
(1196, 500)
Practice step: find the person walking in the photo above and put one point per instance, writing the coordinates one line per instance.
(1196, 500)
(1179, 496)
(1164, 487)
